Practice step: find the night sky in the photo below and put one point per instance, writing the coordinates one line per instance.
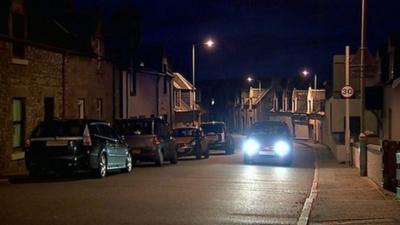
(262, 37)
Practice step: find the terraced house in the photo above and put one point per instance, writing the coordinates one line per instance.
(49, 70)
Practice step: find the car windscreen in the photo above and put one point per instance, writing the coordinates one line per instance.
(136, 127)
(183, 132)
(269, 129)
(58, 129)
(213, 128)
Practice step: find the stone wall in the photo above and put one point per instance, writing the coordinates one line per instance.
(88, 80)
(33, 79)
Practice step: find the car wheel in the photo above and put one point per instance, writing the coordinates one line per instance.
(246, 159)
(36, 173)
(101, 171)
(174, 158)
(160, 158)
(228, 150)
(207, 154)
(287, 161)
(128, 163)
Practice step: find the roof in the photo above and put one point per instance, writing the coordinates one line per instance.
(180, 83)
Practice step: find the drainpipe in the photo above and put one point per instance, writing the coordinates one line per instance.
(158, 95)
(171, 103)
(63, 85)
(113, 91)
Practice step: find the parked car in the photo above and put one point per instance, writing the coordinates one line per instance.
(69, 145)
(149, 139)
(267, 141)
(190, 141)
(218, 137)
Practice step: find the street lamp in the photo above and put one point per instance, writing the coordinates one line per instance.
(250, 79)
(209, 43)
(306, 73)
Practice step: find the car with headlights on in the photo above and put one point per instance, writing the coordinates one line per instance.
(72, 145)
(190, 141)
(268, 141)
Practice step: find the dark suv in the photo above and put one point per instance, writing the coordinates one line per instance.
(217, 137)
(68, 145)
(149, 139)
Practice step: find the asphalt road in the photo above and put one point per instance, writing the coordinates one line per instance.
(219, 190)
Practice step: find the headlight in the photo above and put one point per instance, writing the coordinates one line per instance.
(251, 146)
(281, 148)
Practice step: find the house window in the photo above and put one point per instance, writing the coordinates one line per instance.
(18, 114)
(178, 98)
(99, 108)
(18, 31)
(81, 108)
(133, 84)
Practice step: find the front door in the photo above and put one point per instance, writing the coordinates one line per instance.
(48, 108)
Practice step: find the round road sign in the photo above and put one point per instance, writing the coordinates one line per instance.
(347, 92)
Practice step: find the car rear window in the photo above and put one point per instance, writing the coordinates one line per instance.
(183, 132)
(134, 127)
(59, 129)
(270, 129)
(213, 128)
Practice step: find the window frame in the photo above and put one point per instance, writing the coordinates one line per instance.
(81, 103)
(20, 122)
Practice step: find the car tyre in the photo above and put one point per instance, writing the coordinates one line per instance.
(247, 159)
(128, 163)
(36, 173)
(174, 158)
(101, 171)
(207, 154)
(287, 161)
(160, 158)
(229, 149)
(198, 152)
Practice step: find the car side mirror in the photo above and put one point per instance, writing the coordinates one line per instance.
(123, 139)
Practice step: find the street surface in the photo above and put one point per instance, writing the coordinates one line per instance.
(219, 190)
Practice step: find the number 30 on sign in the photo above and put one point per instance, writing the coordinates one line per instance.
(347, 92)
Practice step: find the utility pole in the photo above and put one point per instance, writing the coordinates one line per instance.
(315, 81)
(347, 127)
(362, 52)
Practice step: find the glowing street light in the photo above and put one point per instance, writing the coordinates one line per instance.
(306, 73)
(209, 43)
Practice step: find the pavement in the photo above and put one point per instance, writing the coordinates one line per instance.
(346, 198)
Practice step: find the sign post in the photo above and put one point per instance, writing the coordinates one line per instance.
(347, 92)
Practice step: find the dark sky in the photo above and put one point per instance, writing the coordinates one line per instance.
(263, 37)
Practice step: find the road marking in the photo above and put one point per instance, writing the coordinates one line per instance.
(308, 204)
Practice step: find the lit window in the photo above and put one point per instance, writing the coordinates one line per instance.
(81, 108)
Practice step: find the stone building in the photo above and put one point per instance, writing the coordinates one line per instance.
(42, 80)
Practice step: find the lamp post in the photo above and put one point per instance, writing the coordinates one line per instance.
(306, 73)
(250, 79)
(210, 43)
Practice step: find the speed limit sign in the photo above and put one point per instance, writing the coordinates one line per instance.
(347, 92)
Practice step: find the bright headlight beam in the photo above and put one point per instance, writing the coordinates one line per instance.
(281, 148)
(251, 146)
